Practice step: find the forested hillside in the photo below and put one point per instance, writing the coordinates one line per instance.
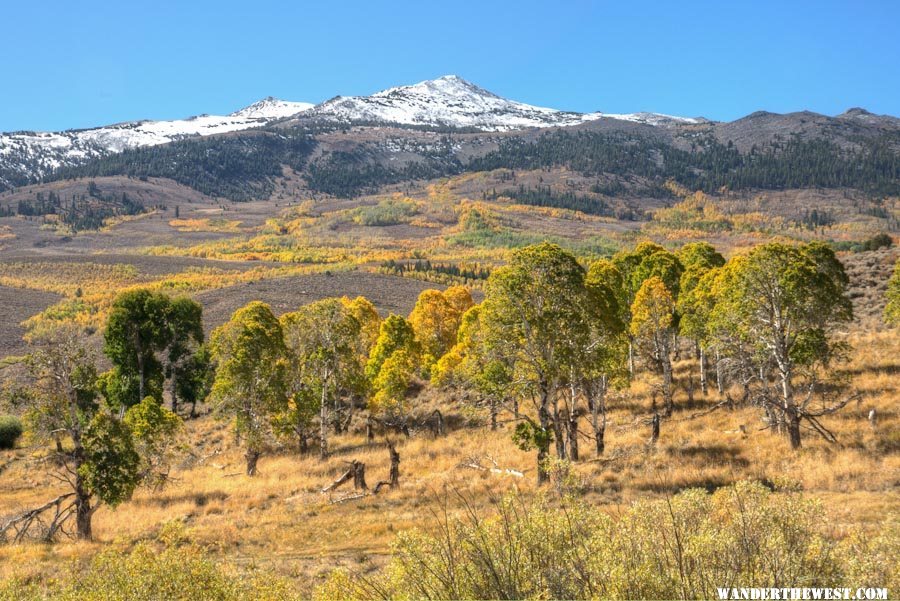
(243, 166)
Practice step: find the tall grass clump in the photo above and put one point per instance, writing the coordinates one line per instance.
(152, 571)
(685, 546)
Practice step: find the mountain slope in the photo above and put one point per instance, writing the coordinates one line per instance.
(451, 101)
(26, 156)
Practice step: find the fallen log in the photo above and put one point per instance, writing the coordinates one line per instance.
(475, 464)
(356, 472)
(24, 523)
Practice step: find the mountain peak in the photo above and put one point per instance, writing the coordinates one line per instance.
(271, 108)
(446, 87)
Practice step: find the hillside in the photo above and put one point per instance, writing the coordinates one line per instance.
(280, 526)
(433, 327)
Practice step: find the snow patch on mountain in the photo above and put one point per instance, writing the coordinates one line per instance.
(451, 101)
(272, 108)
(35, 154)
(448, 101)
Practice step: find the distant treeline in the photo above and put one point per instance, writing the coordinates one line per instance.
(544, 196)
(239, 168)
(243, 166)
(464, 272)
(873, 168)
(80, 211)
(876, 242)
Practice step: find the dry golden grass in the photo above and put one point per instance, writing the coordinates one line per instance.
(280, 520)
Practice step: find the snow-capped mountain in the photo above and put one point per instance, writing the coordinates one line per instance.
(272, 108)
(448, 101)
(451, 101)
(34, 154)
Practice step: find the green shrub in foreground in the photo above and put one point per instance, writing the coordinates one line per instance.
(682, 547)
(10, 431)
(175, 573)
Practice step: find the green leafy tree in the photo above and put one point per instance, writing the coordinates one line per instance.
(322, 340)
(695, 299)
(476, 362)
(603, 363)
(435, 320)
(112, 466)
(149, 337)
(700, 254)
(395, 333)
(652, 323)
(391, 385)
(154, 431)
(646, 260)
(250, 385)
(786, 302)
(695, 306)
(532, 315)
(93, 448)
(366, 314)
(185, 321)
(195, 377)
(136, 330)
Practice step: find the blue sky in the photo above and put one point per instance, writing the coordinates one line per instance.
(67, 64)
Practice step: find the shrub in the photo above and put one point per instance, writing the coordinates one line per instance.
(682, 547)
(148, 573)
(10, 431)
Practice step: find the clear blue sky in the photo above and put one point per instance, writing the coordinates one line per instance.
(67, 64)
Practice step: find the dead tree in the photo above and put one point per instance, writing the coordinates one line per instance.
(356, 472)
(394, 477)
(437, 427)
(41, 523)
(654, 429)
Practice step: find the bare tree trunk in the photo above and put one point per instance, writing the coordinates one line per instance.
(493, 406)
(395, 467)
(720, 376)
(667, 384)
(252, 457)
(654, 429)
(173, 390)
(323, 423)
(336, 418)
(573, 435)
(559, 436)
(359, 475)
(791, 413)
(439, 423)
(631, 358)
(393, 480)
(543, 445)
(141, 384)
(83, 511)
(794, 431)
(704, 386)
